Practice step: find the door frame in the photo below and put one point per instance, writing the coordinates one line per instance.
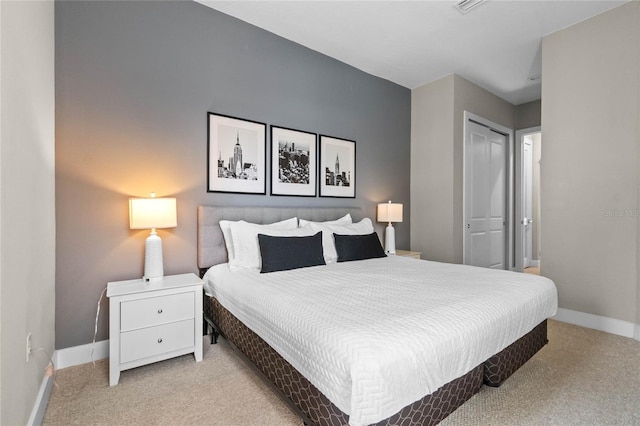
(518, 196)
(509, 253)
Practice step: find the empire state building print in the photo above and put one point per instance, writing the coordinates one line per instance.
(338, 163)
(237, 149)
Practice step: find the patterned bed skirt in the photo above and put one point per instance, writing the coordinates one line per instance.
(315, 409)
(503, 364)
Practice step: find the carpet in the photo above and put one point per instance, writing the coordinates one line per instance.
(582, 377)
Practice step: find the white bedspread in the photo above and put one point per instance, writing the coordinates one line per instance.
(377, 335)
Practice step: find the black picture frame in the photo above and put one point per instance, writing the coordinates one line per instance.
(337, 171)
(236, 155)
(294, 162)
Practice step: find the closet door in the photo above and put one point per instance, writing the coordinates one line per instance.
(485, 196)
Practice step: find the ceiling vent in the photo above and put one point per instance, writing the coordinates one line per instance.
(465, 6)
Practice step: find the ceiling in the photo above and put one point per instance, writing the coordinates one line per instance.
(497, 45)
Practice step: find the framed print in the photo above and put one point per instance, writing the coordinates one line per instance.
(236, 155)
(337, 167)
(293, 162)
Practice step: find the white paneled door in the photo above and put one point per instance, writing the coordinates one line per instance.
(485, 196)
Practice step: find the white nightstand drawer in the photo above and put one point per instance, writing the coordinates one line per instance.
(157, 340)
(156, 310)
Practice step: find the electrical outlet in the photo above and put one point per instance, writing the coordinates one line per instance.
(28, 346)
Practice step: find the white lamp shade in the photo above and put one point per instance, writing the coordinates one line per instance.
(148, 213)
(390, 212)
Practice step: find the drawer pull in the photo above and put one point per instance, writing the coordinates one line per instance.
(160, 340)
(160, 310)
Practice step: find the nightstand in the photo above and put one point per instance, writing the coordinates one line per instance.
(409, 253)
(153, 321)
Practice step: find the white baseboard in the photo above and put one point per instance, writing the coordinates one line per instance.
(77, 355)
(608, 325)
(535, 263)
(42, 399)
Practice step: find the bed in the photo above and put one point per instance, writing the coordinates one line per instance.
(386, 362)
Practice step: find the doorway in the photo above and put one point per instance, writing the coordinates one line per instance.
(527, 222)
(486, 193)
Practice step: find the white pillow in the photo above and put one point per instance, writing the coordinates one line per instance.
(245, 242)
(225, 226)
(346, 219)
(364, 227)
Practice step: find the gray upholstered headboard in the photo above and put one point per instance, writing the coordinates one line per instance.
(211, 248)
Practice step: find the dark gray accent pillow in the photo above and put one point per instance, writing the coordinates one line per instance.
(285, 253)
(358, 247)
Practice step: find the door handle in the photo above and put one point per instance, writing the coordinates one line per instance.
(526, 221)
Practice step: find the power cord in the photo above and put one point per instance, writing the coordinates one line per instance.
(53, 367)
(50, 371)
(95, 330)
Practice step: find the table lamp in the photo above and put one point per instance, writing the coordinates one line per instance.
(152, 213)
(390, 212)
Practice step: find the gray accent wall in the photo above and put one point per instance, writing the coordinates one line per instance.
(134, 82)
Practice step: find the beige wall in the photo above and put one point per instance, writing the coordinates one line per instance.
(474, 99)
(528, 115)
(432, 180)
(27, 237)
(589, 175)
(437, 139)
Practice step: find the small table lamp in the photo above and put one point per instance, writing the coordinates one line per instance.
(152, 213)
(390, 212)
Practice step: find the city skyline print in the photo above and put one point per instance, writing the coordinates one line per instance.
(293, 162)
(236, 151)
(337, 167)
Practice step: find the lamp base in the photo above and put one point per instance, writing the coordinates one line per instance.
(153, 270)
(390, 240)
